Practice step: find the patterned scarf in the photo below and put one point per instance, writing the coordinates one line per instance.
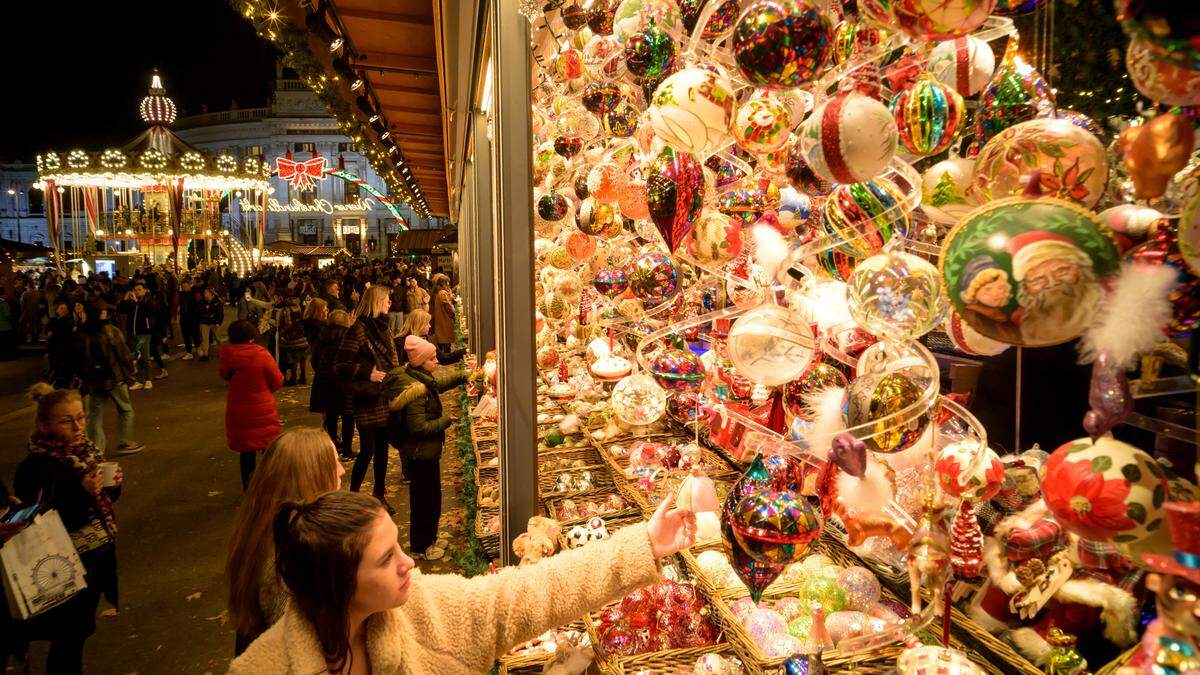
(84, 458)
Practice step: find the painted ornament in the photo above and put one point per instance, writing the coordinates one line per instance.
(1160, 80)
(1105, 490)
(605, 182)
(849, 139)
(600, 97)
(928, 115)
(604, 58)
(610, 282)
(1168, 28)
(692, 111)
(633, 198)
(753, 197)
(1016, 93)
(965, 63)
(775, 526)
(927, 20)
(781, 44)
(945, 190)
(715, 240)
(966, 470)
(795, 207)
(719, 25)
(677, 370)
(622, 120)
(820, 375)
(1072, 164)
(1028, 271)
(896, 295)
(552, 207)
(862, 217)
(762, 125)
(580, 246)
(674, 194)
(653, 278)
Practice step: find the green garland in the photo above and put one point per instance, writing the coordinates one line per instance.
(473, 561)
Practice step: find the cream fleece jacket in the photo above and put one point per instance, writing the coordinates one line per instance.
(451, 624)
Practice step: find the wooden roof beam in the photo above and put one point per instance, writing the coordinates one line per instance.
(388, 62)
(392, 17)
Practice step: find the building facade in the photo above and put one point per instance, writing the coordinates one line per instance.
(22, 211)
(338, 211)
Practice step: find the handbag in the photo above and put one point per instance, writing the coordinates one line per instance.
(41, 567)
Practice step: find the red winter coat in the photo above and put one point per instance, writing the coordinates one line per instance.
(251, 419)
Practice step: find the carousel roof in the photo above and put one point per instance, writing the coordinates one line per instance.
(292, 248)
(154, 157)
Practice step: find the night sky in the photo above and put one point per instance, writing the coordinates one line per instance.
(75, 72)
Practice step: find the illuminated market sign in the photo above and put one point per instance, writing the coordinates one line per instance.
(360, 205)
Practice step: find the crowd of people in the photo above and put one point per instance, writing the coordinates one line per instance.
(375, 336)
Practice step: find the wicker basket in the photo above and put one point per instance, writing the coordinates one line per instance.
(533, 663)
(620, 664)
(601, 480)
(553, 505)
(490, 542)
(611, 523)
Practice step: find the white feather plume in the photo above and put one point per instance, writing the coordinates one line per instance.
(825, 410)
(1132, 316)
(770, 249)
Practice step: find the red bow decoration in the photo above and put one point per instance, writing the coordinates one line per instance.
(302, 175)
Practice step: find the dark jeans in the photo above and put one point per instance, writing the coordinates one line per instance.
(346, 440)
(246, 461)
(425, 502)
(191, 334)
(372, 443)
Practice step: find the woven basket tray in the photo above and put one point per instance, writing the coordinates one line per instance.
(554, 509)
(614, 665)
(533, 663)
(611, 523)
(490, 542)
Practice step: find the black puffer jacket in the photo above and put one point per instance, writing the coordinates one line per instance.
(416, 425)
(105, 360)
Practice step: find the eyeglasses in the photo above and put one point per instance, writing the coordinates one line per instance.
(79, 419)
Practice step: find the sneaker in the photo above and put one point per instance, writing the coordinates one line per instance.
(162, 374)
(187, 356)
(135, 386)
(442, 543)
(431, 553)
(148, 385)
(132, 448)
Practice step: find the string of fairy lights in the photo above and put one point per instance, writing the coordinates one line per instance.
(363, 123)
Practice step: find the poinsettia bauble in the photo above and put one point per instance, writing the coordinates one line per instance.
(965, 63)
(929, 115)
(963, 473)
(781, 44)
(715, 240)
(926, 20)
(1071, 162)
(692, 110)
(1105, 491)
(1160, 80)
(849, 139)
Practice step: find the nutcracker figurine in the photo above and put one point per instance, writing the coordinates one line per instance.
(1171, 643)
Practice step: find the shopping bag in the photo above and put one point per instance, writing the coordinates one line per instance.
(41, 567)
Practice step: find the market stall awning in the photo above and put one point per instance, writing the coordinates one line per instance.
(417, 240)
(20, 249)
(374, 64)
(292, 248)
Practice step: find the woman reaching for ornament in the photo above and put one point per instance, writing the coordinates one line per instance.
(361, 606)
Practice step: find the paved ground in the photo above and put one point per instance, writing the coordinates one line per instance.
(175, 516)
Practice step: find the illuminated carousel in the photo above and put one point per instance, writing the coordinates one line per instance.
(151, 197)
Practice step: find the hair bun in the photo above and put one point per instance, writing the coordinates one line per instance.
(39, 390)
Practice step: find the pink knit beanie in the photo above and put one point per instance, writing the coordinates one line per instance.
(419, 351)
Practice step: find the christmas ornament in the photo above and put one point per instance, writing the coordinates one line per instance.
(931, 660)
(835, 262)
(638, 400)
(600, 16)
(965, 470)
(1129, 223)
(715, 240)
(1168, 28)
(1189, 234)
(927, 20)
(854, 38)
(775, 526)
(824, 591)
(762, 125)
(877, 399)
(801, 175)
(653, 278)
(577, 122)
(723, 171)
(965, 63)
(753, 197)
(1155, 151)
(966, 543)
(1105, 490)
(795, 207)
(1027, 271)
(968, 340)
(674, 195)
(862, 217)
(928, 116)
(1161, 80)
(1164, 249)
(1016, 93)
(605, 182)
(610, 368)
(598, 219)
(780, 44)
(677, 369)
(600, 97)
(849, 139)
(603, 58)
(633, 200)
(634, 15)
(770, 345)
(719, 25)
(755, 574)
(821, 375)
(573, 15)
(1083, 122)
(552, 207)
(622, 120)
(1071, 162)
(547, 358)
(945, 190)
(692, 109)
(861, 588)
(610, 282)
(896, 295)
(569, 65)
(649, 53)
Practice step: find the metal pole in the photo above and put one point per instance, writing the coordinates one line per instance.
(514, 263)
(484, 233)
(1017, 407)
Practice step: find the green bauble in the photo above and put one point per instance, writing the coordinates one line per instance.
(825, 590)
(800, 627)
